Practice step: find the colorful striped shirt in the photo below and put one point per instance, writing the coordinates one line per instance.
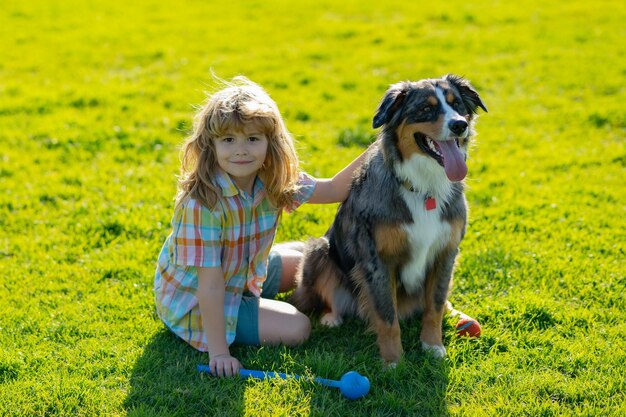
(236, 235)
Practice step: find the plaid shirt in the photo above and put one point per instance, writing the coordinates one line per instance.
(236, 235)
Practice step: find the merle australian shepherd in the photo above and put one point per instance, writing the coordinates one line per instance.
(391, 250)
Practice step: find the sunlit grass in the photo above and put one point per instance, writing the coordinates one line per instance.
(95, 99)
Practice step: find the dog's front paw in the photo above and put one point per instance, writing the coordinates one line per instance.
(331, 320)
(438, 351)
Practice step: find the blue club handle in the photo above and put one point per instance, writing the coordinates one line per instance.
(247, 373)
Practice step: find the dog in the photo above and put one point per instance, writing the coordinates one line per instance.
(391, 249)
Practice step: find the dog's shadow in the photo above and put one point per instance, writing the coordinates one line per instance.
(165, 381)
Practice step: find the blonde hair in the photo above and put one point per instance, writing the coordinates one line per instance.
(241, 101)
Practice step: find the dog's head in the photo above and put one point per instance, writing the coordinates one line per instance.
(432, 120)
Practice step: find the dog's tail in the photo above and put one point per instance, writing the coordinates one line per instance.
(315, 266)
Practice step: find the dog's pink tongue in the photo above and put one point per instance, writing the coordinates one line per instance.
(453, 161)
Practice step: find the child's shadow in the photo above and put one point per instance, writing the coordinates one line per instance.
(165, 380)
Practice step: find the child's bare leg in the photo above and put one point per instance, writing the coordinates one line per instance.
(290, 256)
(282, 323)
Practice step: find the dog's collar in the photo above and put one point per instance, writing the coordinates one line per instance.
(430, 203)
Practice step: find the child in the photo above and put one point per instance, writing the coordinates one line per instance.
(239, 171)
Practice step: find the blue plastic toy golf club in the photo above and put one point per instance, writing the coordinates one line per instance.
(352, 384)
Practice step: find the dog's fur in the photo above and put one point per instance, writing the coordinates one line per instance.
(389, 253)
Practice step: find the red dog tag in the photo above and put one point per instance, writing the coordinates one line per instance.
(431, 203)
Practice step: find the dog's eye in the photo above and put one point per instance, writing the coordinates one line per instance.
(426, 109)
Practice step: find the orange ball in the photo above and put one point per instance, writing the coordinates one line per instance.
(468, 327)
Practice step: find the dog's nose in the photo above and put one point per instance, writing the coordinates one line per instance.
(457, 126)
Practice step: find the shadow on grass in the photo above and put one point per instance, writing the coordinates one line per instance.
(165, 382)
(416, 387)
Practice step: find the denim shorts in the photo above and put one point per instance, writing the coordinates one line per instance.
(248, 318)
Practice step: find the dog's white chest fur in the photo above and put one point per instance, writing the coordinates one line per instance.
(427, 236)
(428, 233)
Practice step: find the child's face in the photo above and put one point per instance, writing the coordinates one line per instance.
(241, 154)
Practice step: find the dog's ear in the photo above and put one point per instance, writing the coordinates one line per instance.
(391, 102)
(470, 97)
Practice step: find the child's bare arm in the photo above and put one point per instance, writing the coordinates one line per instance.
(336, 189)
(211, 300)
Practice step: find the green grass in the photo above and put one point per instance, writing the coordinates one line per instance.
(96, 97)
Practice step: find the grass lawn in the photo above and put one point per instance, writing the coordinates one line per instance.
(96, 97)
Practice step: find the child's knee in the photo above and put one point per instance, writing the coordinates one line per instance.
(300, 330)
